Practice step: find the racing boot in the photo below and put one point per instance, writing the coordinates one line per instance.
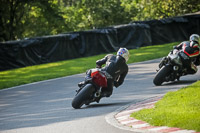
(81, 84)
(194, 68)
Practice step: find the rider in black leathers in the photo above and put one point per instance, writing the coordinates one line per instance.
(192, 49)
(116, 66)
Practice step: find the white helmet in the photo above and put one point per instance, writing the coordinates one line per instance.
(195, 38)
(124, 53)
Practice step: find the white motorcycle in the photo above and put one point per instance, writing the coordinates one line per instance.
(172, 67)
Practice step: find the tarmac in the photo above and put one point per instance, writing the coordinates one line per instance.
(121, 119)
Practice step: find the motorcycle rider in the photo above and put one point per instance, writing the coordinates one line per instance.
(192, 49)
(115, 66)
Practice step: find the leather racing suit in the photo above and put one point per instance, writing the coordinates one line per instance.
(116, 66)
(192, 50)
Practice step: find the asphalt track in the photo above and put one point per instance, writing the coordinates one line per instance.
(45, 107)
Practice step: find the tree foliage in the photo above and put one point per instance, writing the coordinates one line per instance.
(24, 18)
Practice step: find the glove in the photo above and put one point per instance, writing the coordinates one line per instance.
(97, 66)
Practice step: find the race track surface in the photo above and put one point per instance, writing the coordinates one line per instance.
(45, 107)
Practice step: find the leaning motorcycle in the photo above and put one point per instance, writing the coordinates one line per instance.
(172, 67)
(91, 91)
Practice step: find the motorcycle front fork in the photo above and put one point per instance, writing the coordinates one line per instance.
(162, 62)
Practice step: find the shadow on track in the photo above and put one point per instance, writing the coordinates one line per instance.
(49, 102)
(97, 105)
(181, 82)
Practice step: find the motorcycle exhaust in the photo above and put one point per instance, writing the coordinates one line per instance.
(98, 94)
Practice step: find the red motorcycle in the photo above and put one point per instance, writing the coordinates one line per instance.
(91, 92)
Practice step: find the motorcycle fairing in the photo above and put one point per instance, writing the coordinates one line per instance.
(99, 78)
(191, 52)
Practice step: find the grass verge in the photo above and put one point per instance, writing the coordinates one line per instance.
(41, 72)
(177, 109)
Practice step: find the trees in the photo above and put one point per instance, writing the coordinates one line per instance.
(44, 17)
(10, 18)
(24, 18)
(157, 9)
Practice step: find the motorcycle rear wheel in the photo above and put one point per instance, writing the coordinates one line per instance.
(84, 95)
(162, 74)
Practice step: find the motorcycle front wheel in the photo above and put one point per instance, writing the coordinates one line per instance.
(82, 96)
(162, 74)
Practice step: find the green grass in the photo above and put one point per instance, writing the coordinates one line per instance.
(35, 73)
(176, 109)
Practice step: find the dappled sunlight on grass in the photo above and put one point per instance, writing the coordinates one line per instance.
(150, 52)
(139, 54)
(177, 109)
(69, 67)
